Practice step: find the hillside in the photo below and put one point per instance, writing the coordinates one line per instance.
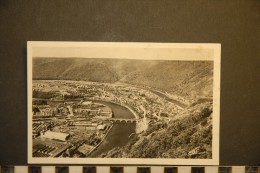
(184, 78)
(109, 70)
(72, 69)
(188, 136)
(188, 79)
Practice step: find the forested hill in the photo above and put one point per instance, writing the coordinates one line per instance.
(188, 78)
(72, 69)
(90, 69)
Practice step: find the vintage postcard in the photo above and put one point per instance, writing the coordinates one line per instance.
(123, 103)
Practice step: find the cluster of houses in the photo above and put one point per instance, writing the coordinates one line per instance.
(126, 95)
(40, 127)
(154, 105)
(47, 110)
(93, 109)
(143, 102)
(50, 144)
(83, 108)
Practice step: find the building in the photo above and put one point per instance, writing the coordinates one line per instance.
(101, 127)
(87, 103)
(85, 124)
(85, 149)
(55, 135)
(45, 147)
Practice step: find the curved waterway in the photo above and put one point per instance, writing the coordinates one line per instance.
(120, 132)
(118, 110)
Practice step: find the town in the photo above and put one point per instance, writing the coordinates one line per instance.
(71, 119)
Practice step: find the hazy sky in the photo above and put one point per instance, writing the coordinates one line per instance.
(149, 53)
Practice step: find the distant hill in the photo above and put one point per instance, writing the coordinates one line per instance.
(90, 69)
(187, 78)
(72, 69)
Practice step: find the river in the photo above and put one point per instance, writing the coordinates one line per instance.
(168, 98)
(119, 134)
(118, 110)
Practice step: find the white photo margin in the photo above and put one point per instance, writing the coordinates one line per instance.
(159, 48)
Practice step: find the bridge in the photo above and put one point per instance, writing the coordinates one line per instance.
(122, 120)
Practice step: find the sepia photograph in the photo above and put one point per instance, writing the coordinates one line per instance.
(123, 103)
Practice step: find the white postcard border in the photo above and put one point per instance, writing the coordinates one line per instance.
(126, 161)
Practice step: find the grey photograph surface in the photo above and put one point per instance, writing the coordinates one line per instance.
(85, 107)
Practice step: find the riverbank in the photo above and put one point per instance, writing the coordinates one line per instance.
(104, 137)
(108, 102)
(179, 103)
(118, 135)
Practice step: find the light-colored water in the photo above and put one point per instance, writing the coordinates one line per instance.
(120, 132)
